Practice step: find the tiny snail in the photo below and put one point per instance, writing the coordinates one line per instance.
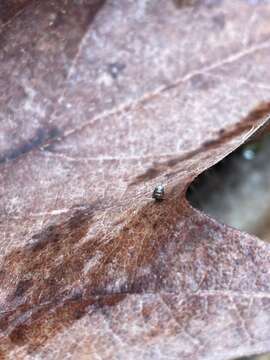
(158, 193)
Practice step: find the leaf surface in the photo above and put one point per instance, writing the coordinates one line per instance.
(100, 102)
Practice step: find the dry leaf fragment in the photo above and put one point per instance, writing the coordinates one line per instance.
(99, 103)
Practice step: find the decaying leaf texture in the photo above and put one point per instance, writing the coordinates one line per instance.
(101, 101)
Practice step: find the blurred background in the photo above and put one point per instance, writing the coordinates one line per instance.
(236, 192)
(259, 357)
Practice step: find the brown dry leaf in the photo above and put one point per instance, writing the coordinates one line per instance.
(99, 103)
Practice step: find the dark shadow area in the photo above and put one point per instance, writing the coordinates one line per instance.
(236, 191)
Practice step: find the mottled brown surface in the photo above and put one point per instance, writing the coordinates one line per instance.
(11, 8)
(99, 103)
